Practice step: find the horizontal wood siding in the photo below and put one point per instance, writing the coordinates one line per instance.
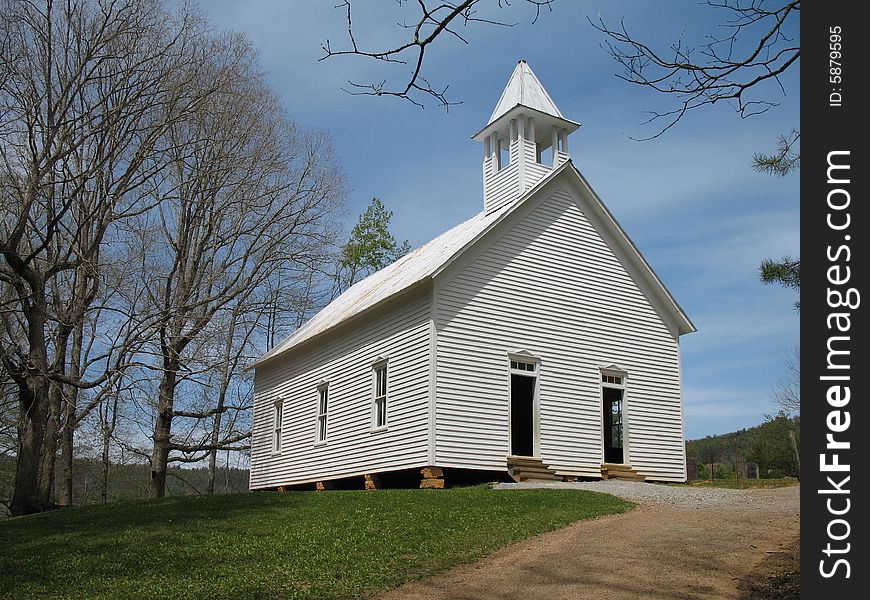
(550, 285)
(501, 187)
(535, 171)
(399, 332)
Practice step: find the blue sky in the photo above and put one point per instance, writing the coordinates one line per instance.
(689, 199)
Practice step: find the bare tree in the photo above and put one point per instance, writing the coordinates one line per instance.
(243, 200)
(87, 92)
(431, 22)
(754, 50)
(233, 389)
(787, 394)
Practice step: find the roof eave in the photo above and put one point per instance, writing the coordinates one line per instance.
(511, 208)
(683, 322)
(568, 124)
(267, 357)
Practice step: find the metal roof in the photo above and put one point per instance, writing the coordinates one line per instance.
(525, 89)
(429, 260)
(412, 268)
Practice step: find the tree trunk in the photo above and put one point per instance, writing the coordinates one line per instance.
(162, 432)
(70, 418)
(797, 456)
(32, 419)
(212, 459)
(222, 395)
(49, 444)
(65, 498)
(53, 424)
(33, 414)
(108, 428)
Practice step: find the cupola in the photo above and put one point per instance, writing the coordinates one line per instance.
(525, 139)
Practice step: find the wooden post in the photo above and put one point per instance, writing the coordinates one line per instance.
(797, 458)
(433, 478)
(372, 482)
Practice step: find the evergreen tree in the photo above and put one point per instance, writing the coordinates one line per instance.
(371, 247)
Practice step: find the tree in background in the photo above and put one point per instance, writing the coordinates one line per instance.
(785, 160)
(771, 448)
(244, 199)
(787, 270)
(371, 247)
(151, 188)
(787, 395)
(86, 93)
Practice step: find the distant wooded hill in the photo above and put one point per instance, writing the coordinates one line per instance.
(130, 482)
(764, 451)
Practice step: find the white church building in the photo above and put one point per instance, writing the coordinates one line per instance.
(532, 340)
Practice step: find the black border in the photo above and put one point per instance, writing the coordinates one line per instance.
(826, 128)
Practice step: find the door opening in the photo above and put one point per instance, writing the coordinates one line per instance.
(613, 425)
(522, 415)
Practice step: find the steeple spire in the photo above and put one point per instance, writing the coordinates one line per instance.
(524, 89)
(524, 124)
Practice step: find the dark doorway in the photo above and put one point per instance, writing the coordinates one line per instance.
(522, 415)
(613, 425)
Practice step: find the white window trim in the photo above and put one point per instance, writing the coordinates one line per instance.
(381, 363)
(528, 359)
(323, 387)
(613, 372)
(277, 427)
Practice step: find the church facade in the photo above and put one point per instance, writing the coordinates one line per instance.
(532, 340)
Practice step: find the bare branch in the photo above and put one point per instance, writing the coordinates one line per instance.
(432, 21)
(725, 69)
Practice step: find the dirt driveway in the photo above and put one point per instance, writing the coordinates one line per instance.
(679, 543)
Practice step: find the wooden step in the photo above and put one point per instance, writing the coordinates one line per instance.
(524, 468)
(625, 472)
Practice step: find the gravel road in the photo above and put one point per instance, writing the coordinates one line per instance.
(679, 543)
(698, 498)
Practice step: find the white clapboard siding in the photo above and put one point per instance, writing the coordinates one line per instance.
(502, 187)
(399, 331)
(549, 284)
(535, 171)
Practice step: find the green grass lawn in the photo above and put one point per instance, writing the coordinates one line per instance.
(337, 544)
(744, 484)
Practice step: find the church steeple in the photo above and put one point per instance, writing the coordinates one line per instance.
(525, 139)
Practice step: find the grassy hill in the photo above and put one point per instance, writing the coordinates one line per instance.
(337, 544)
